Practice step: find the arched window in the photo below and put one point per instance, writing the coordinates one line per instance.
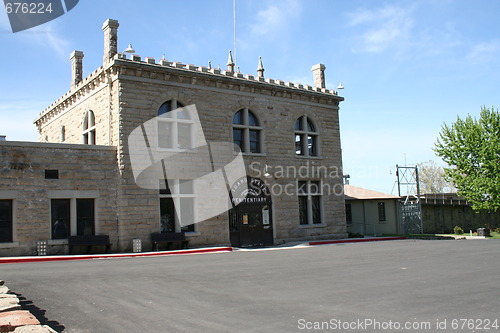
(89, 128)
(247, 132)
(175, 129)
(306, 137)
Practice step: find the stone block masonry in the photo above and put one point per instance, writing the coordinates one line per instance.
(83, 171)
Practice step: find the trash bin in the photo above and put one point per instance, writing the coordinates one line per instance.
(483, 232)
(136, 245)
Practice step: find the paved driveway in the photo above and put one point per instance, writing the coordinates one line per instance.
(316, 289)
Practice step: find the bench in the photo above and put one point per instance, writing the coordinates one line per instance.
(89, 241)
(173, 240)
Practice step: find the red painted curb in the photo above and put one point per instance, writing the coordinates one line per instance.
(17, 260)
(357, 240)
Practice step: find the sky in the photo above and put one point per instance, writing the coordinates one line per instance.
(407, 67)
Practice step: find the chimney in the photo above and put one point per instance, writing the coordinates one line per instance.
(319, 75)
(76, 67)
(110, 28)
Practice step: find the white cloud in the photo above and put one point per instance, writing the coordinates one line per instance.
(484, 52)
(275, 18)
(388, 27)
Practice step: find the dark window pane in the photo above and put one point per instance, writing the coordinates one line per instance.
(51, 174)
(252, 120)
(238, 118)
(381, 211)
(60, 216)
(238, 138)
(310, 126)
(304, 219)
(167, 215)
(302, 187)
(315, 187)
(85, 217)
(298, 124)
(86, 139)
(298, 145)
(316, 209)
(348, 213)
(254, 142)
(6, 221)
(164, 108)
(311, 145)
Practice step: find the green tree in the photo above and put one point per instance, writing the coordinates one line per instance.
(471, 148)
(432, 178)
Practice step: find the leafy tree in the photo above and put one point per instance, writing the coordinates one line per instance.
(432, 178)
(471, 147)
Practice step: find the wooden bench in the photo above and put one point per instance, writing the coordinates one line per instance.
(173, 240)
(89, 241)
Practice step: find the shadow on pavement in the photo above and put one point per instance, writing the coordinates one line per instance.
(39, 313)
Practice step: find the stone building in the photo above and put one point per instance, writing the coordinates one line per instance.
(288, 134)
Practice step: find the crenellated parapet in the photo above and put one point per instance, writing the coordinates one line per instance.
(187, 73)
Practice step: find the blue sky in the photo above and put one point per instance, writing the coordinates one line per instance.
(407, 66)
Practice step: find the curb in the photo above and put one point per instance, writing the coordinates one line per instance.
(16, 260)
(356, 240)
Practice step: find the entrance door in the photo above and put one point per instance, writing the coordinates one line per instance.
(252, 226)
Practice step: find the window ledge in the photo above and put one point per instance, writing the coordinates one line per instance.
(252, 154)
(309, 157)
(307, 226)
(57, 242)
(9, 245)
(196, 233)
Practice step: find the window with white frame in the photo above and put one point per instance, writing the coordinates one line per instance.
(181, 195)
(88, 132)
(310, 201)
(247, 132)
(306, 137)
(175, 129)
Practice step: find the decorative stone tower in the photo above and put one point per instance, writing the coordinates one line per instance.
(319, 75)
(76, 67)
(230, 63)
(260, 68)
(110, 28)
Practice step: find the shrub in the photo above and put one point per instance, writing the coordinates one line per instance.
(458, 231)
(497, 230)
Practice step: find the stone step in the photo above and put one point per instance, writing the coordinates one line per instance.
(9, 304)
(11, 320)
(34, 329)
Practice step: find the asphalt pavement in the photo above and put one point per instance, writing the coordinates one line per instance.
(426, 284)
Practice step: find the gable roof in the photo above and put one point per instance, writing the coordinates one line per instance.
(358, 193)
